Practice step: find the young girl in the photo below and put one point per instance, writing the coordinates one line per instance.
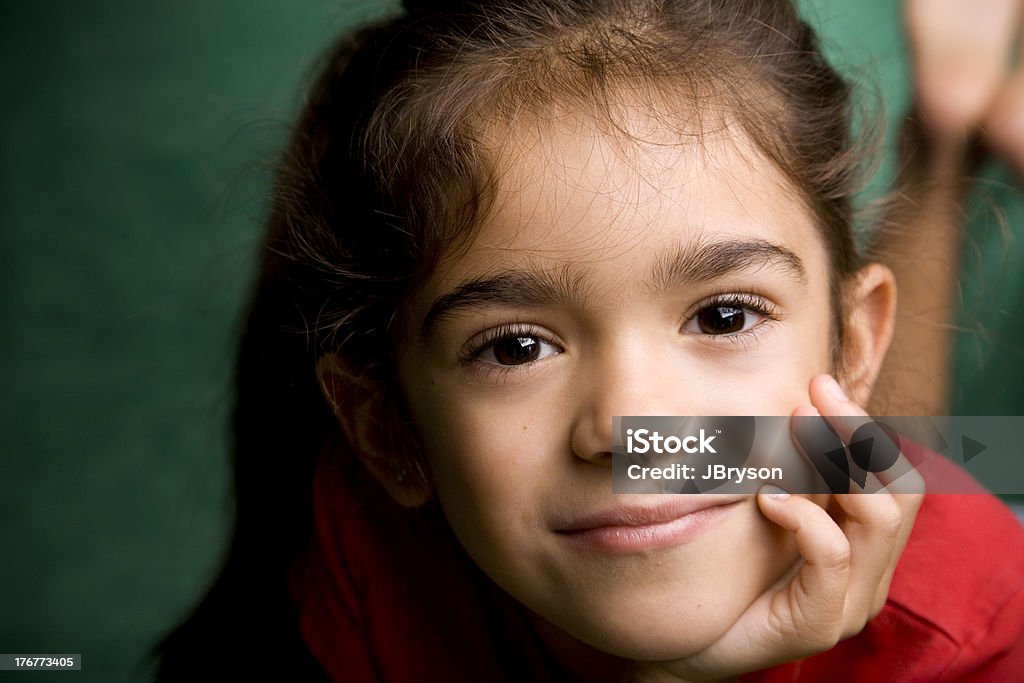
(498, 226)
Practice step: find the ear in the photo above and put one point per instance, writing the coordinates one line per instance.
(372, 425)
(870, 305)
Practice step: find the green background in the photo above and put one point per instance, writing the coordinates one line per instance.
(136, 142)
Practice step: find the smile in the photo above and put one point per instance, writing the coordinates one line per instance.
(625, 530)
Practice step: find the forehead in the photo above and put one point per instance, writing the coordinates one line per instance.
(603, 206)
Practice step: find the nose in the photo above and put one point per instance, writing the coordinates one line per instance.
(620, 380)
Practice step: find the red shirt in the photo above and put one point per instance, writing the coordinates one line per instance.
(387, 595)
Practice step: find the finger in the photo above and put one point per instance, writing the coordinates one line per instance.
(874, 447)
(960, 50)
(909, 505)
(809, 608)
(877, 525)
(872, 524)
(831, 401)
(1003, 127)
(802, 614)
(823, 441)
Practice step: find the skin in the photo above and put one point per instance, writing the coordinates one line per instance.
(518, 451)
(967, 88)
(969, 98)
(967, 81)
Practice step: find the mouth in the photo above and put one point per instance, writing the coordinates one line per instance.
(625, 529)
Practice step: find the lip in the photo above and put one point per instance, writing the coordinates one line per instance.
(626, 529)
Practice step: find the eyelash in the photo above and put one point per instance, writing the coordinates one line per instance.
(742, 300)
(496, 334)
(471, 356)
(745, 301)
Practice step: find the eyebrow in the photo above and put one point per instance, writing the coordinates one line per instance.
(692, 263)
(702, 262)
(527, 288)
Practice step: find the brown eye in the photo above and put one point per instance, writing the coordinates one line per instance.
(730, 316)
(517, 349)
(721, 319)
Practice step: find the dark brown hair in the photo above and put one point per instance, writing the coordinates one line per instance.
(387, 172)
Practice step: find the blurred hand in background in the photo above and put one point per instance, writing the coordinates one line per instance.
(969, 72)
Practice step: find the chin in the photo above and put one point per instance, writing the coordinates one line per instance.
(676, 605)
(650, 633)
(652, 644)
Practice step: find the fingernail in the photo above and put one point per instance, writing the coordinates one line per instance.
(774, 492)
(836, 391)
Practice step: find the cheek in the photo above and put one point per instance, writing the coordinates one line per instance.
(769, 377)
(774, 380)
(473, 445)
(803, 352)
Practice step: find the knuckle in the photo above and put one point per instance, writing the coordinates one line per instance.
(827, 638)
(890, 521)
(837, 555)
(820, 638)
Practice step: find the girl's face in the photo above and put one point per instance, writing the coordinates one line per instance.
(645, 278)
